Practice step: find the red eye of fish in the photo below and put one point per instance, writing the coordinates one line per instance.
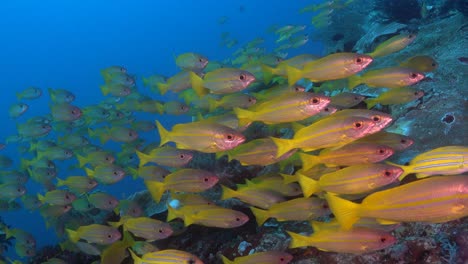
(281, 259)
(358, 124)
(387, 173)
(206, 179)
(315, 100)
(381, 151)
(403, 141)
(383, 239)
(376, 118)
(115, 173)
(109, 236)
(182, 156)
(229, 137)
(413, 75)
(242, 77)
(358, 60)
(160, 230)
(237, 219)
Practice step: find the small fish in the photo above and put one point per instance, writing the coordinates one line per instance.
(57, 197)
(221, 81)
(55, 153)
(210, 216)
(78, 184)
(432, 200)
(203, 137)
(191, 61)
(129, 208)
(183, 180)
(355, 241)
(177, 83)
(21, 236)
(65, 112)
(449, 160)
(61, 96)
(395, 77)
(380, 120)
(392, 45)
(287, 108)
(103, 201)
(396, 141)
(29, 93)
(115, 133)
(254, 196)
(332, 67)
(115, 89)
(149, 173)
(166, 156)
(24, 250)
(329, 132)
(231, 101)
(421, 63)
(53, 211)
(270, 257)
(17, 109)
(395, 96)
(166, 256)
(106, 173)
(346, 99)
(299, 209)
(355, 179)
(144, 227)
(11, 191)
(82, 205)
(96, 158)
(350, 154)
(260, 151)
(175, 108)
(94, 233)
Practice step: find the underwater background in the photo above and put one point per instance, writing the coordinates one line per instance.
(68, 44)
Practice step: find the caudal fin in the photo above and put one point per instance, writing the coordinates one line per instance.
(244, 116)
(294, 75)
(260, 215)
(156, 189)
(309, 186)
(298, 240)
(354, 81)
(308, 161)
(163, 134)
(346, 212)
(284, 145)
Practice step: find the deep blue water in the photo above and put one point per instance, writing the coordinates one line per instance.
(64, 44)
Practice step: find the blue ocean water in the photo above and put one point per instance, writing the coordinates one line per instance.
(64, 44)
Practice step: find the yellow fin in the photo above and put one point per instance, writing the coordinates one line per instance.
(260, 215)
(163, 134)
(309, 186)
(294, 75)
(346, 212)
(156, 189)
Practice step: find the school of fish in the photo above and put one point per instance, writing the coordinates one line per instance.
(336, 146)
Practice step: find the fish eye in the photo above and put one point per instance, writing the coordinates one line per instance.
(19, 190)
(315, 100)
(160, 231)
(67, 197)
(109, 236)
(433, 64)
(416, 93)
(326, 109)
(200, 60)
(206, 179)
(359, 60)
(358, 124)
(115, 173)
(229, 137)
(381, 151)
(403, 141)
(242, 77)
(181, 156)
(413, 75)
(281, 259)
(238, 219)
(387, 173)
(383, 239)
(376, 118)
(410, 36)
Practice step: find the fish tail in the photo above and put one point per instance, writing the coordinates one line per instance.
(89, 172)
(197, 84)
(287, 179)
(144, 158)
(294, 75)
(133, 172)
(136, 259)
(128, 240)
(115, 224)
(268, 73)
(297, 240)
(188, 220)
(163, 134)
(284, 145)
(213, 104)
(171, 214)
(162, 87)
(105, 89)
(52, 94)
(156, 189)
(81, 160)
(73, 235)
(227, 193)
(220, 154)
(371, 102)
(309, 186)
(41, 198)
(145, 81)
(245, 116)
(354, 81)
(60, 182)
(160, 108)
(296, 126)
(309, 161)
(260, 215)
(346, 212)
(226, 260)
(405, 169)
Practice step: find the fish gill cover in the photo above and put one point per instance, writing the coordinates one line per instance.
(233, 132)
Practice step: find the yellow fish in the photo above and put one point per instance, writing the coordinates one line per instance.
(395, 77)
(433, 200)
(94, 233)
(449, 160)
(222, 81)
(191, 61)
(332, 67)
(167, 256)
(392, 45)
(355, 241)
(395, 96)
(201, 136)
(421, 63)
(144, 227)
